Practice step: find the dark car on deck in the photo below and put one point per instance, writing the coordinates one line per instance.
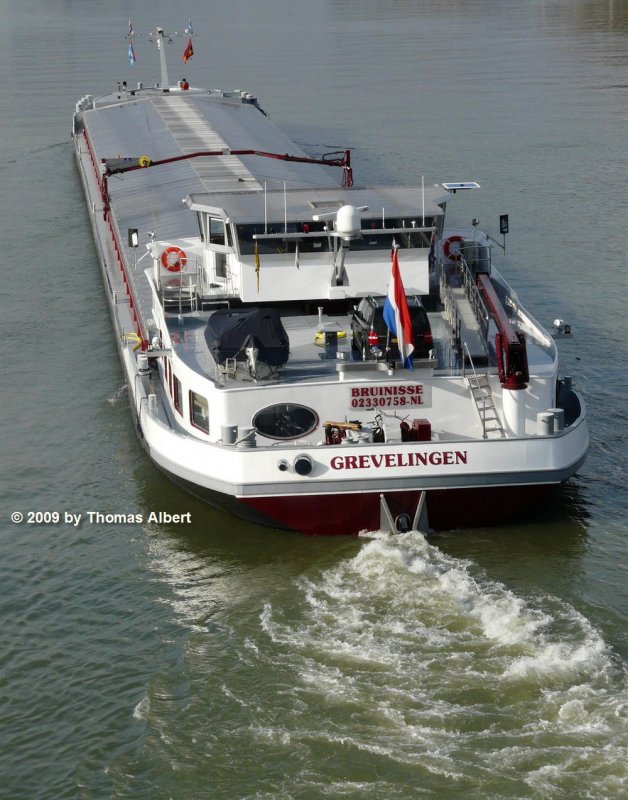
(370, 335)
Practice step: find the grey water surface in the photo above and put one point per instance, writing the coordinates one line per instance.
(220, 660)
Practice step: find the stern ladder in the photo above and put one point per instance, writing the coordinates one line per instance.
(482, 396)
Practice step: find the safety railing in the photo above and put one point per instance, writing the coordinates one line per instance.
(450, 312)
(181, 289)
(473, 296)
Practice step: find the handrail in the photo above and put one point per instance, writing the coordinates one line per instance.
(474, 297)
(183, 288)
(451, 313)
(450, 309)
(192, 287)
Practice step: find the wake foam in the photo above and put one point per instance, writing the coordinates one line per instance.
(439, 668)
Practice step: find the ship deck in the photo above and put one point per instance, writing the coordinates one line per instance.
(165, 125)
(309, 360)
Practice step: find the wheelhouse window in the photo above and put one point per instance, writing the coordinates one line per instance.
(285, 421)
(381, 239)
(199, 412)
(315, 237)
(201, 227)
(313, 240)
(216, 232)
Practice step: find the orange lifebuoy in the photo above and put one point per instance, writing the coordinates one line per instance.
(173, 259)
(456, 253)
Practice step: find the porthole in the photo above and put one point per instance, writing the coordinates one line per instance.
(285, 421)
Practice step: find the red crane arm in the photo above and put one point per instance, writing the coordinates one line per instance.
(510, 345)
(114, 167)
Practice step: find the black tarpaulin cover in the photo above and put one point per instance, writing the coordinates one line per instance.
(230, 331)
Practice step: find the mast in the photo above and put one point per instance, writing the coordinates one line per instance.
(162, 58)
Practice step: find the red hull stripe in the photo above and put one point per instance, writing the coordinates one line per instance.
(348, 515)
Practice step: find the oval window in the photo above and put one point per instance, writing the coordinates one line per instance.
(285, 421)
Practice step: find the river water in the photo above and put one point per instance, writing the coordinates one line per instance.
(220, 660)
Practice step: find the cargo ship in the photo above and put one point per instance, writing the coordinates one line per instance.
(306, 351)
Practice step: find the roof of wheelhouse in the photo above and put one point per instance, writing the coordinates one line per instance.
(302, 204)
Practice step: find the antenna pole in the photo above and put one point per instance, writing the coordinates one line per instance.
(162, 59)
(265, 210)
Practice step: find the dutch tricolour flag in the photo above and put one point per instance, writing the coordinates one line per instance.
(397, 314)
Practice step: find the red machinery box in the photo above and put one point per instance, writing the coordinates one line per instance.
(422, 430)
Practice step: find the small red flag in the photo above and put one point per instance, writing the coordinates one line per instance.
(189, 52)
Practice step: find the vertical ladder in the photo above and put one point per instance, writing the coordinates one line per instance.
(483, 398)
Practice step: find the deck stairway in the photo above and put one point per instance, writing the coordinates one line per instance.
(470, 330)
(483, 398)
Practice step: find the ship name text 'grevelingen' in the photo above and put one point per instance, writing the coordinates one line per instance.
(393, 460)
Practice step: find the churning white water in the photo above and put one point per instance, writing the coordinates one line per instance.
(440, 669)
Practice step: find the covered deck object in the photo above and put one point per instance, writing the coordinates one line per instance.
(229, 332)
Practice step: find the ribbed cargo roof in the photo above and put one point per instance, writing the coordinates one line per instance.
(163, 125)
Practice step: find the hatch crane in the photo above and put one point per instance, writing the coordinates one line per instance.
(117, 166)
(510, 345)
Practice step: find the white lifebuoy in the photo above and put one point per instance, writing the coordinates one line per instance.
(452, 248)
(173, 259)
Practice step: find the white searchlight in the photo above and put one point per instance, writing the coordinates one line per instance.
(347, 221)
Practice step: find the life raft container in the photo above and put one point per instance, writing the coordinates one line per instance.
(173, 259)
(452, 248)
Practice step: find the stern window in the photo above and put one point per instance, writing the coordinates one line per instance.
(199, 412)
(177, 394)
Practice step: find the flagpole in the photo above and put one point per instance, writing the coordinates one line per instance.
(165, 84)
(423, 197)
(392, 258)
(397, 315)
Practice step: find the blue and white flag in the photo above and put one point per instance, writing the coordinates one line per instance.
(397, 314)
(131, 54)
(189, 30)
(131, 31)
